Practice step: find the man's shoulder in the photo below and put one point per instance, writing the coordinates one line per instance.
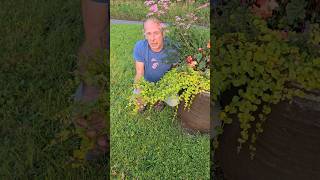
(140, 49)
(141, 44)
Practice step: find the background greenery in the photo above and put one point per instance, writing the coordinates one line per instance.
(136, 10)
(150, 145)
(39, 42)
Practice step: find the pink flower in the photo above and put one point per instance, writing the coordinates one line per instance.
(148, 2)
(166, 6)
(154, 8)
(150, 14)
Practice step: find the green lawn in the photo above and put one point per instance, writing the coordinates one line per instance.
(151, 145)
(39, 41)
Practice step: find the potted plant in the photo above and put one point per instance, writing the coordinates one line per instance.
(195, 55)
(269, 89)
(189, 80)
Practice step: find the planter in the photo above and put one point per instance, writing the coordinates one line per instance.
(197, 118)
(288, 148)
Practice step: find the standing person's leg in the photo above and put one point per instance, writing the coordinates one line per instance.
(95, 27)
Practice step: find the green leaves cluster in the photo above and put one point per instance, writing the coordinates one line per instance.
(293, 14)
(263, 67)
(183, 81)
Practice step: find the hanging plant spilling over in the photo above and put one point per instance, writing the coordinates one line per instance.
(264, 68)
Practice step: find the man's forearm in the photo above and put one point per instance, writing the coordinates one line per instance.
(137, 78)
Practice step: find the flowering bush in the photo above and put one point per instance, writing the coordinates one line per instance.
(192, 41)
(157, 7)
(201, 60)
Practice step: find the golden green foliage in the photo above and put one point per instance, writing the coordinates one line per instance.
(187, 83)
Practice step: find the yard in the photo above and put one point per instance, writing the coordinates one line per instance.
(152, 144)
(38, 55)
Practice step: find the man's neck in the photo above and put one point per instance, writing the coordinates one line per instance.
(157, 50)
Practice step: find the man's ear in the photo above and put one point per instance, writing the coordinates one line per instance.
(143, 34)
(163, 29)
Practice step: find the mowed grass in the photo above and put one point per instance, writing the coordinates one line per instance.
(136, 10)
(39, 41)
(151, 145)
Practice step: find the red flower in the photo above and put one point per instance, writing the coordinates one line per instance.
(200, 49)
(189, 59)
(192, 64)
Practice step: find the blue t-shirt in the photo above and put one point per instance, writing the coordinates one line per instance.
(156, 64)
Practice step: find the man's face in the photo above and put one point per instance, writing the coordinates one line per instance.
(154, 35)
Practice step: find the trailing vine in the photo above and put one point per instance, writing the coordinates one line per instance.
(184, 79)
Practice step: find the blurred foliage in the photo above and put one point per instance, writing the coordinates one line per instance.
(262, 64)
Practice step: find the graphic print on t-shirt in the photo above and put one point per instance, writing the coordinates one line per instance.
(155, 63)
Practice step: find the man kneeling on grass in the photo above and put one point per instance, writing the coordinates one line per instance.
(152, 56)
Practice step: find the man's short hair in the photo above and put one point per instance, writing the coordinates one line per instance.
(154, 20)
